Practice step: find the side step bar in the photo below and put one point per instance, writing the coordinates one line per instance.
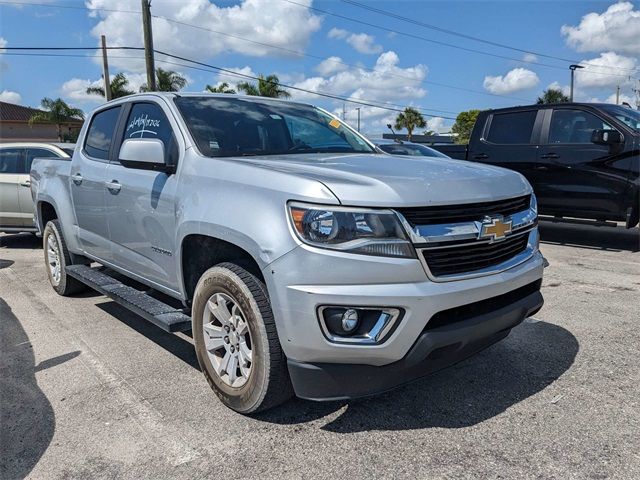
(164, 316)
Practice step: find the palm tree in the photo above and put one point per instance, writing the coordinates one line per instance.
(118, 87)
(56, 111)
(552, 95)
(268, 86)
(167, 81)
(222, 88)
(409, 120)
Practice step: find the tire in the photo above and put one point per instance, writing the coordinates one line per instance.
(56, 254)
(241, 298)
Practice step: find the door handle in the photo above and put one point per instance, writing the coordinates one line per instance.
(77, 178)
(542, 168)
(550, 155)
(26, 183)
(113, 186)
(481, 156)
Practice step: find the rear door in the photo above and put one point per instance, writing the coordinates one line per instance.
(87, 183)
(576, 176)
(510, 140)
(11, 164)
(141, 204)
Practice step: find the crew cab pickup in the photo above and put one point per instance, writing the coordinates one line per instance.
(582, 159)
(302, 260)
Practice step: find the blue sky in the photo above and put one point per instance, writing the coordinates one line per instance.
(374, 65)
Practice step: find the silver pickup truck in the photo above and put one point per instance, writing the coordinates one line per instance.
(302, 259)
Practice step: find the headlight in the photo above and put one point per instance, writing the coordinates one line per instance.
(533, 204)
(353, 230)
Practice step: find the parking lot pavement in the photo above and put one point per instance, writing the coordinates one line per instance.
(88, 390)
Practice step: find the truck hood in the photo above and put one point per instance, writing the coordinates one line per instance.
(393, 181)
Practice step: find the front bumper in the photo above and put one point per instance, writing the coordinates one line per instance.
(457, 335)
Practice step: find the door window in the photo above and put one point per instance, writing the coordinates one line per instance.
(147, 120)
(100, 134)
(37, 152)
(511, 128)
(574, 126)
(11, 160)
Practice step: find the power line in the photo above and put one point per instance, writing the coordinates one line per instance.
(212, 68)
(438, 42)
(69, 7)
(469, 37)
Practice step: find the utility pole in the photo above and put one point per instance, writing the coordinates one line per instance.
(358, 109)
(573, 68)
(344, 111)
(618, 95)
(148, 44)
(105, 69)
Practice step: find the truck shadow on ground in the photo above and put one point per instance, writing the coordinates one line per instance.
(525, 363)
(27, 420)
(592, 237)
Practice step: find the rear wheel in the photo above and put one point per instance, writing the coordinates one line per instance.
(57, 257)
(236, 340)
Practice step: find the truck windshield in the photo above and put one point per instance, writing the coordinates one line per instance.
(625, 115)
(236, 126)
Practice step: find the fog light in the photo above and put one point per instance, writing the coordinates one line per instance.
(350, 320)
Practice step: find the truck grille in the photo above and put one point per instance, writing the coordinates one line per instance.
(467, 258)
(464, 213)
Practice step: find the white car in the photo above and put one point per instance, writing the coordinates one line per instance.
(16, 204)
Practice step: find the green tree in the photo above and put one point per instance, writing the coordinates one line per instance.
(268, 86)
(410, 119)
(552, 95)
(167, 81)
(464, 124)
(118, 87)
(222, 88)
(57, 112)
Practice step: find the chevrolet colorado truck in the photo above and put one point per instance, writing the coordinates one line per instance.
(303, 261)
(582, 159)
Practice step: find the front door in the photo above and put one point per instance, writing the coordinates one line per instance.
(88, 186)
(11, 165)
(576, 176)
(141, 204)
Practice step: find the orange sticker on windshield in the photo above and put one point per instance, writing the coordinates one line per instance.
(335, 123)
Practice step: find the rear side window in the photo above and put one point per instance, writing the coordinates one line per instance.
(574, 126)
(38, 152)
(147, 120)
(11, 160)
(100, 133)
(511, 128)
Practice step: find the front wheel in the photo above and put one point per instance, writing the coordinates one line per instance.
(236, 340)
(56, 258)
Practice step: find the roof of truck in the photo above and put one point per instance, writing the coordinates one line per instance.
(552, 105)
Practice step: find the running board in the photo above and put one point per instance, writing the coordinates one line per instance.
(164, 316)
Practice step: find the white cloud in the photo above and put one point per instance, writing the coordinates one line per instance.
(608, 70)
(330, 66)
(565, 89)
(75, 90)
(514, 81)
(3, 43)
(530, 58)
(361, 42)
(10, 97)
(280, 24)
(617, 28)
(437, 124)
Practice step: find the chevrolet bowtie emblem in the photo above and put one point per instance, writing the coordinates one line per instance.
(494, 229)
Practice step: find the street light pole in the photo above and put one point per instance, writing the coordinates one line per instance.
(573, 68)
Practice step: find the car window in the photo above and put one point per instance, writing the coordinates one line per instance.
(11, 160)
(511, 128)
(574, 126)
(100, 134)
(37, 152)
(147, 120)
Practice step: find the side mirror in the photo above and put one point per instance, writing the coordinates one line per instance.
(606, 137)
(144, 154)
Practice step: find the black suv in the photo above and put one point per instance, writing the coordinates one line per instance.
(583, 159)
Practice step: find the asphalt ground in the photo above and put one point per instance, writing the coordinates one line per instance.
(89, 390)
